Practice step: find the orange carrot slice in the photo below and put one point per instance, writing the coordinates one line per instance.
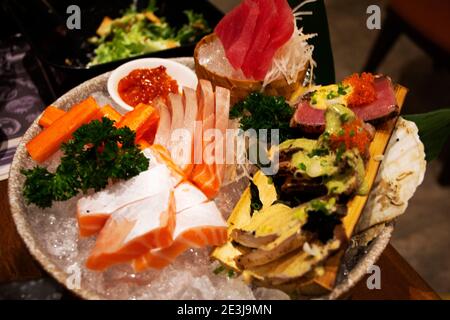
(50, 139)
(143, 144)
(109, 112)
(50, 115)
(141, 119)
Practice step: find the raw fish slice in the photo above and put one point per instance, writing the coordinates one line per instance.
(177, 109)
(162, 156)
(237, 51)
(94, 210)
(205, 96)
(187, 196)
(197, 227)
(281, 32)
(261, 37)
(206, 178)
(164, 127)
(204, 174)
(182, 151)
(136, 228)
(222, 117)
(228, 30)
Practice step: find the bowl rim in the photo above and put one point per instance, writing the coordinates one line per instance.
(173, 69)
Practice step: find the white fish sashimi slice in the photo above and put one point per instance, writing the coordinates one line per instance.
(160, 155)
(205, 96)
(93, 210)
(162, 135)
(190, 107)
(177, 109)
(198, 226)
(205, 214)
(136, 228)
(182, 138)
(187, 196)
(222, 117)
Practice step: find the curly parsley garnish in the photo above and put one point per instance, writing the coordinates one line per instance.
(97, 153)
(258, 111)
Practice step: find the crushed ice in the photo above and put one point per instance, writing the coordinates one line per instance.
(191, 276)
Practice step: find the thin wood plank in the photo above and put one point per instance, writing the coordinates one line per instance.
(356, 205)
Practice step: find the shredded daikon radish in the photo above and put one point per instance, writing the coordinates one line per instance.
(293, 57)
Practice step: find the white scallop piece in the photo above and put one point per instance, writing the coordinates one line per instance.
(402, 170)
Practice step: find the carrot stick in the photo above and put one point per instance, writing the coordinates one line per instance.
(142, 119)
(50, 115)
(110, 113)
(143, 144)
(50, 139)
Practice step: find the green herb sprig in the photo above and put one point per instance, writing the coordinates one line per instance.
(97, 154)
(258, 111)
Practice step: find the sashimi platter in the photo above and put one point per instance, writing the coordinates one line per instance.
(227, 175)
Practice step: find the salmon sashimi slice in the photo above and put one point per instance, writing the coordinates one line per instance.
(187, 196)
(222, 117)
(136, 228)
(197, 227)
(205, 177)
(94, 210)
(162, 135)
(159, 154)
(204, 174)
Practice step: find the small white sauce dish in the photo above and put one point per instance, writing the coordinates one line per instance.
(184, 76)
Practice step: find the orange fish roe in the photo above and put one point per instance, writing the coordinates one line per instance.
(145, 85)
(352, 135)
(363, 89)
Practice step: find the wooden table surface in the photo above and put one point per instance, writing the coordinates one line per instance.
(398, 279)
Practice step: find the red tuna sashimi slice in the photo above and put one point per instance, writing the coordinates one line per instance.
(197, 227)
(231, 27)
(94, 210)
(274, 28)
(281, 32)
(238, 49)
(261, 37)
(162, 135)
(222, 117)
(136, 228)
